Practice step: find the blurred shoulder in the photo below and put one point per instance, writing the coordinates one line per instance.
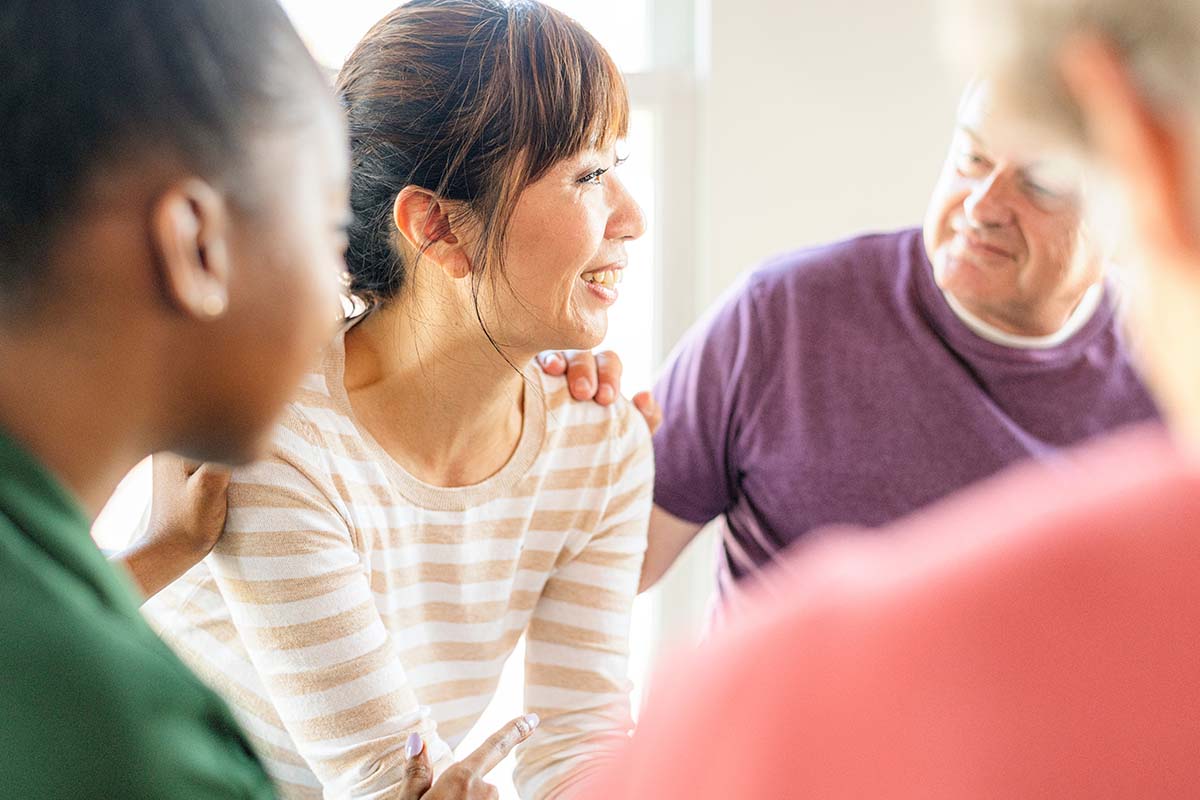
(834, 266)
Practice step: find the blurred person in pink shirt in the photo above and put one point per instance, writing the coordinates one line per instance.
(1038, 635)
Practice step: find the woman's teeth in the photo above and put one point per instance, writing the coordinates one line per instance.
(608, 278)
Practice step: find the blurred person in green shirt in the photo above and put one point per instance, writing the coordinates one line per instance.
(173, 201)
(172, 197)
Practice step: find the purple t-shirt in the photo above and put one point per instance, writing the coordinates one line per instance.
(836, 386)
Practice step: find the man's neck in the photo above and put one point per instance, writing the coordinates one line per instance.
(1008, 335)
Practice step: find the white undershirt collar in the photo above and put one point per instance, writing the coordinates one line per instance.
(1082, 314)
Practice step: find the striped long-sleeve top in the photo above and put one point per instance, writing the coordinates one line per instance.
(348, 604)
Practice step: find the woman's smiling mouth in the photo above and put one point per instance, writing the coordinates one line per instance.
(602, 283)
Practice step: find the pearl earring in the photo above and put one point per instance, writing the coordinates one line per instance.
(213, 306)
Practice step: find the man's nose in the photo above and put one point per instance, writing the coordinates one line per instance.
(988, 205)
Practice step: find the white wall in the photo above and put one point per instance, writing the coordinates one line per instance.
(821, 118)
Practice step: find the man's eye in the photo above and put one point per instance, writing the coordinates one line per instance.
(971, 163)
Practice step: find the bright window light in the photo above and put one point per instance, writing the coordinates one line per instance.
(332, 29)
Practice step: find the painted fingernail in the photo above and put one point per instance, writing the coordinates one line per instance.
(414, 746)
(582, 386)
(532, 720)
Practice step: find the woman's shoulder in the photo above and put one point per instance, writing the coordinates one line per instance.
(312, 435)
(320, 410)
(575, 423)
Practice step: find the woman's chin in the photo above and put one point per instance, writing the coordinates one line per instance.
(582, 337)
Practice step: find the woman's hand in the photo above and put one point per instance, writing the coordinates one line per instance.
(464, 780)
(597, 377)
(187, 515)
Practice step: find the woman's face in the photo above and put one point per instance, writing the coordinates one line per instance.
(564, 256)
(287, 260)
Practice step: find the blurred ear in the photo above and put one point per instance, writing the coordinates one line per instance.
(190, 229)
(1147, 151)
(425, 223)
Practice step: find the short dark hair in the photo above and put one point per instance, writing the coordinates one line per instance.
(86, 84)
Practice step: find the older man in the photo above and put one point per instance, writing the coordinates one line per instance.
(1037, 636)
(857, 382)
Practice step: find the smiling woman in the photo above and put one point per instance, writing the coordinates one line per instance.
(511, 190)
(625, 29)
(331, 32)
(426, 503)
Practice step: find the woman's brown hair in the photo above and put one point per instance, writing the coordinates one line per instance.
(473, 100)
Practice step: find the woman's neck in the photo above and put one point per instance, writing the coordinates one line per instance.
(74, 412)
(434, 392)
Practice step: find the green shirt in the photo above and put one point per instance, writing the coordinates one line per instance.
(92, 703)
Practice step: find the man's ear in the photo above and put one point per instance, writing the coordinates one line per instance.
(425, 223)
(1146, 150)
(190, 229)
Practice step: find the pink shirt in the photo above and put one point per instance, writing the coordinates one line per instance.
(1038, 636)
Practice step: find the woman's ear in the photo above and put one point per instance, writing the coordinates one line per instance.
(189, 231)
(426, 224)
(1143, 147)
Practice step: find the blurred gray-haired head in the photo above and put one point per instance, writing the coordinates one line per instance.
(1018, 43)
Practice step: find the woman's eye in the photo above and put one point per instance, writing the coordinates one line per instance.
(593, 177)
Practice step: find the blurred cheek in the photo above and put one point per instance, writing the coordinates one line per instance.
(298, 308)
(948, 196)
(1052, 245)
(322, 310)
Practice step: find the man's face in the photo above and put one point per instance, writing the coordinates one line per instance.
(1004, 229)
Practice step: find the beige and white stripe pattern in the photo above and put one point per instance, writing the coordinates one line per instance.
(348, 604)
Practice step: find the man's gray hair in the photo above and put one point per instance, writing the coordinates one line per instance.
(1017, 42)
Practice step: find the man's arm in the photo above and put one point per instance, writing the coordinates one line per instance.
(669, 536)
